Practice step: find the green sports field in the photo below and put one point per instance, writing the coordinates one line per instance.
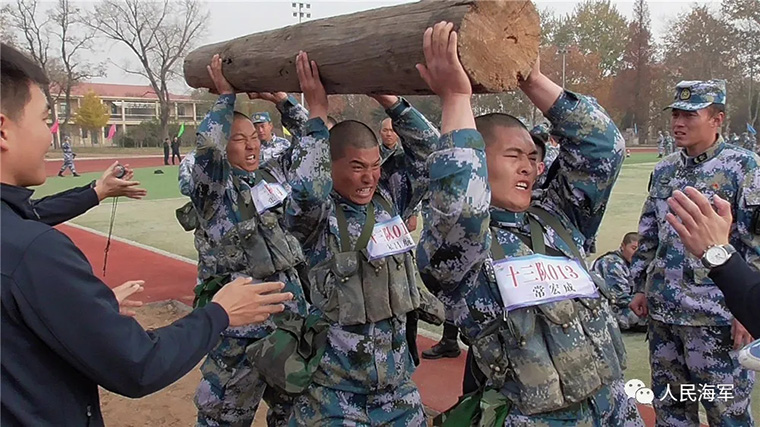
(152, 222)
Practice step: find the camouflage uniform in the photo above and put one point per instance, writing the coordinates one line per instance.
(660, 144)
(526, 356)
(734, 139)
(68, 157)
(749, 142)
(275, 147)
(230, 390)
(690, 325)
(185, 174)
(615, 271)
(669, 144)
(364, 377)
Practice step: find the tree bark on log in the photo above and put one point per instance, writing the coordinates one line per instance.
(376, 51)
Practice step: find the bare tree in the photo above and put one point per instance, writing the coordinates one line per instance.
(35, 38)
(6, 24)
(74, 37)
(160, 34)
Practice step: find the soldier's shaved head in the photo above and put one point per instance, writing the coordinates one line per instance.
(488, 124)
(350, 133)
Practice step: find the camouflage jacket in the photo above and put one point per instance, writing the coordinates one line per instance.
(385, 154)
(185, 174)
(616, 272)
(455, 248)
(370, 356)
(68, 153)
(676, 284)
(274, 148)
(215, 198)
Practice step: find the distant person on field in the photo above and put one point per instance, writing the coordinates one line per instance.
(615, 269)
(68, 157)
(176, 142)
(166, 151)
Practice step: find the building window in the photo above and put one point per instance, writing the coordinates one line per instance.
(62, 109)
(181, 110)
(84, 133)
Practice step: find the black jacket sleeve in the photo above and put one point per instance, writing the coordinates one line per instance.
(77, 316)
(740, 285)
(69, 204)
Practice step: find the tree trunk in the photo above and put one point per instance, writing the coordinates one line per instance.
(54, 116)
(376, 51)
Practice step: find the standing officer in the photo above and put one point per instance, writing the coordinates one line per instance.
(272, 146)
(691, 331)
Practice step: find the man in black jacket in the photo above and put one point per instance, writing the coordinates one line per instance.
(62, 334)
(704, 232)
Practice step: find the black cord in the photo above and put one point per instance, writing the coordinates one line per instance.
(110, 230)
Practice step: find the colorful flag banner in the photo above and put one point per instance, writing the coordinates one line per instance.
(54, 128)
(181, 130)
(111, 132)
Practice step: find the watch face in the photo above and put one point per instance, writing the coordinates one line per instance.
(716, 255)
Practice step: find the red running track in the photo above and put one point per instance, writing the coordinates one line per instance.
(439, 381)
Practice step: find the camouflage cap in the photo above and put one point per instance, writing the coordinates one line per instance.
(696, 95)
(540, 130)
(261, 118)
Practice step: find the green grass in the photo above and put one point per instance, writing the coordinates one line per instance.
(159, 186)
(152, 222)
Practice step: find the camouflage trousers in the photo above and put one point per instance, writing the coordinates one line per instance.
(608, 407)
(693, 364)
(231, 389)
(68, 164)
(326, 407)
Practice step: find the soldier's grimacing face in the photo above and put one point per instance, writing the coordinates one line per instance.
(512, 160)
(691, 128)
(356, 173)
(244, 146)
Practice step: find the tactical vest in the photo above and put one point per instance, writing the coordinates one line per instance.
(553, 355)
(257, 245)
(351, 289)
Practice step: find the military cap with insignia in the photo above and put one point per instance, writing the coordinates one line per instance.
(693, 95)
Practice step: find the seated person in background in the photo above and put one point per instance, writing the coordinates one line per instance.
(614, 267)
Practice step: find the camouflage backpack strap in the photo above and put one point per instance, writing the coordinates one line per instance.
(245, 201)
(263, 174)
(535, 241)
(187, 216)
(369, 225)
(561, 231)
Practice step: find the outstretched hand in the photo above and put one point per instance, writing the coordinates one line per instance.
(311, 86)
(108, 185)
(221, 85)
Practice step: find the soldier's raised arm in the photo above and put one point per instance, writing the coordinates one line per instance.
(310, 172)
(455, 239)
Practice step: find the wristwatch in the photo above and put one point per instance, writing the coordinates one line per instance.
(717, 255)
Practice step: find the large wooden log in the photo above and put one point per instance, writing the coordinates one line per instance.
(376, 51)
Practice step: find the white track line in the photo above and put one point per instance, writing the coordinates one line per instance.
(126, 156)
(133, 243)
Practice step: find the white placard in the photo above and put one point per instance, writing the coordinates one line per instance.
(389, 238)
(538, 279)
(266, 195)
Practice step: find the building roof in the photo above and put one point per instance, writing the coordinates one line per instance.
(122, 91)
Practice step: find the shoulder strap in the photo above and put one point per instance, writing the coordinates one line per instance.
(266, 176)
(379, 199)
(245, 206)
(369, 225)
(561, 231)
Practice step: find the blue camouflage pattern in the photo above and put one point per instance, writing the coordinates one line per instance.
(616, 272)
(697, 364)
(677, 286)
(455, 248)
(230, 389)
(185, 174)
(369, 359)
(695, 95)
(274, 148)
(68, 157)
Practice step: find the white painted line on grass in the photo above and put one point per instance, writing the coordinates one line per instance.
(133, 243)
(126, 156)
